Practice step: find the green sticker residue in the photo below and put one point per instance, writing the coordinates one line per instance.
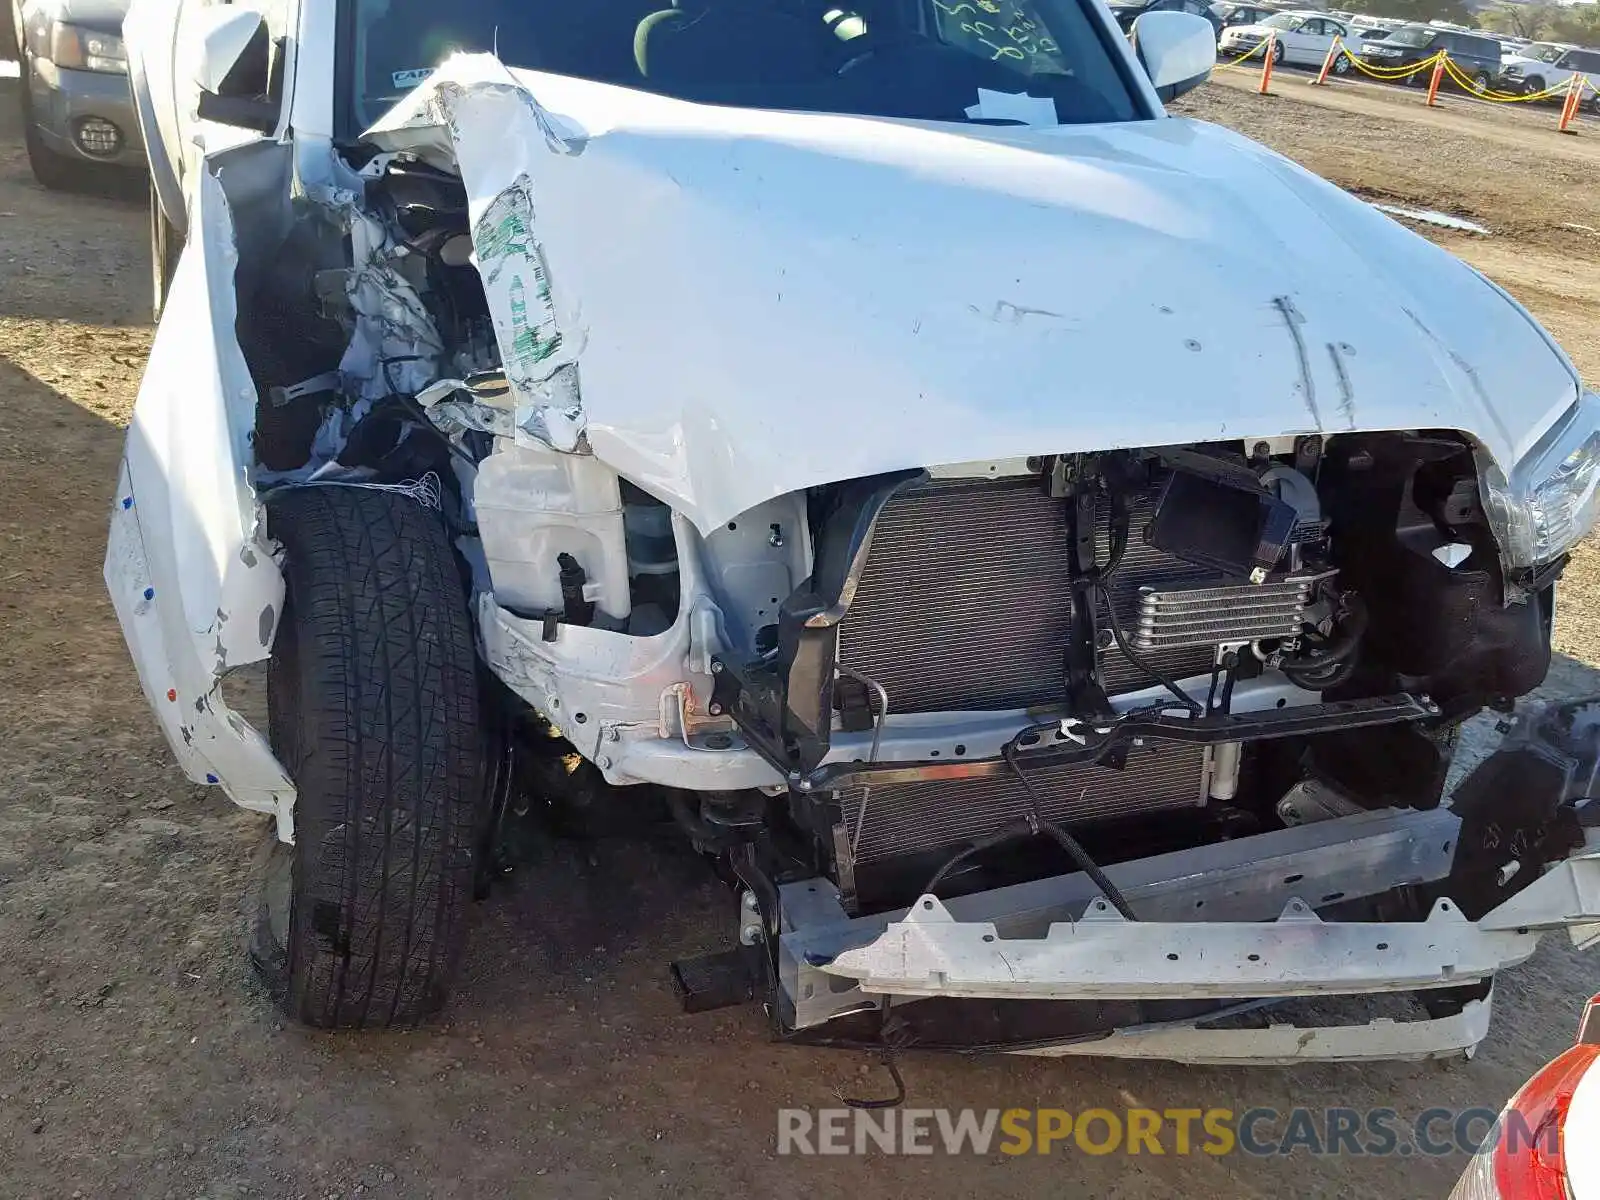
(517, 283)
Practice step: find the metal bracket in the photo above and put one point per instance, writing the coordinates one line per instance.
(1093, 742)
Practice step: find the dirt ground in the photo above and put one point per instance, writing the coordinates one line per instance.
(137, 1056)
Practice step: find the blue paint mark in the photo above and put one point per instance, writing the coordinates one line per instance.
(127, 502)
(149, 593)
(211, 779)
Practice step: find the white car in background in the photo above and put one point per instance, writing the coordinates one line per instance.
(1303, 38)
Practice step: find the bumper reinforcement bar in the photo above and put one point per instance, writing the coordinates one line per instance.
(1103, 956)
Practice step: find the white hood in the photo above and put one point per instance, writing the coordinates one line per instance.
(758, 302)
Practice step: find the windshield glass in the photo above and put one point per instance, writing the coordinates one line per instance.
(1412, 35)
(894, 58)
(1542, 51)
(1285, 21)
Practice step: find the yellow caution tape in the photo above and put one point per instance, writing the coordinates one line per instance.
(1250, 53)
(1502, 97)
(1391, 73)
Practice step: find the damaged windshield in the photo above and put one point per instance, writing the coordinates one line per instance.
(922, 59)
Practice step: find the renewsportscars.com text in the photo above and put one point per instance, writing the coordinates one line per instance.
(1261, 1132)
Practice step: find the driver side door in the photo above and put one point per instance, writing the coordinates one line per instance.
(1308, 43)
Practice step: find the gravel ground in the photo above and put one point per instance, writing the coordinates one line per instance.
(139, 1058)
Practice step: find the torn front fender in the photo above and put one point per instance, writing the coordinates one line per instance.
(189, 569)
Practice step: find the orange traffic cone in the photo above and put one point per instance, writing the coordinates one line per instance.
(1327, 63)
(1433, 84)
(1569, 106)
(1266, 65)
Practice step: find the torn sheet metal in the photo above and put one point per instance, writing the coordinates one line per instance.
(537, 355)
(762, 301)
(395, 346)
(188, 565)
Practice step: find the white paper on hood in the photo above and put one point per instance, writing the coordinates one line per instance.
(1013, 106)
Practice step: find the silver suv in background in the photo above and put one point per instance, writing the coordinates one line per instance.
(77, 112)
(1547, 65)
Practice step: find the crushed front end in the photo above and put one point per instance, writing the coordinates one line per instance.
(1130, 752)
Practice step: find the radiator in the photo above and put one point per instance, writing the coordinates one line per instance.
(965, 602)
(910, 818)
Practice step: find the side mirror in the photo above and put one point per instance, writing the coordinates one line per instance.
(232, 68)
(1177, 50)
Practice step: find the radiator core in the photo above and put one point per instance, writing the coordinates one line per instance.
(909, 818)
(965, 603)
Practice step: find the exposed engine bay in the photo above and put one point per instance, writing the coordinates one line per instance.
(1201, 689)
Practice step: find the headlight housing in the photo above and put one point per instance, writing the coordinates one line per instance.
(81, 49)
(1549, 500)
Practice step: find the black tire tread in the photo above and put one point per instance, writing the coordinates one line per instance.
(375, 715)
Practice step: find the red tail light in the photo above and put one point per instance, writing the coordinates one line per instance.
(1526, 1158)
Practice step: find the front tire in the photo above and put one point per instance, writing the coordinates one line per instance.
(373, 706)
(1341, 64)
(1480, 83)
(1277, 54)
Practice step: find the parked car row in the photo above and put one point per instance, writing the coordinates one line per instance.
(1304, 37)
(1476, 55)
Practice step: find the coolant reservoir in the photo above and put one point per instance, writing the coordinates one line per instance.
(534, 504)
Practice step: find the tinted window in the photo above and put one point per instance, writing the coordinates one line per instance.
(1586, 60)
(1543, 51)
(1417, 36)
(897, 58)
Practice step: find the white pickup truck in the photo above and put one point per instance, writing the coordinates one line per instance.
(1039, 548)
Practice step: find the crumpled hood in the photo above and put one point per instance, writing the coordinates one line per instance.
(754, 302)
